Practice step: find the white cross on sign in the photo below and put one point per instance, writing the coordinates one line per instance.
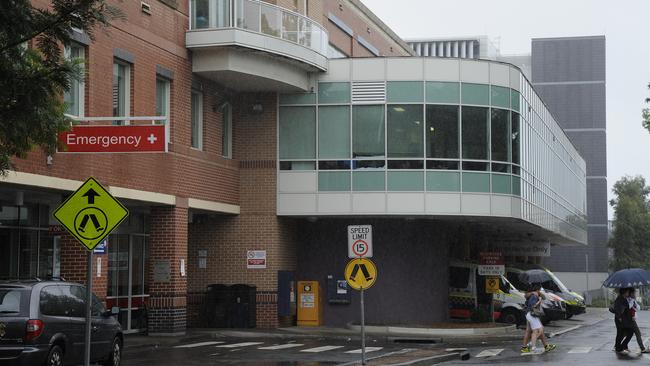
(152, 138)
(360, 241)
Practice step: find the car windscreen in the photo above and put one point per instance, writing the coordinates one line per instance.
(14, 302)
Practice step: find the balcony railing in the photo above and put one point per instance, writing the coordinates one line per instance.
(258, 16)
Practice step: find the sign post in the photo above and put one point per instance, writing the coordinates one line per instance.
(90, 214)
(491, 264)
(361, 274)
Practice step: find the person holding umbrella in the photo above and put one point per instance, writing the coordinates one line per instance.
(625, 280)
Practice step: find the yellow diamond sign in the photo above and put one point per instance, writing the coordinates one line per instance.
(91, 213)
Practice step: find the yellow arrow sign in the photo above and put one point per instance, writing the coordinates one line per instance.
(361, 273)
(90, 213)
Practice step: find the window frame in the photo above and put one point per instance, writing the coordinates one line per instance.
(82, 82)
(167, 95)
(127, 90)
(226, 130)
(199, 122)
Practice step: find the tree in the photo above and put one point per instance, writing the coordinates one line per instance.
(645, 114)
(33, 72)
(630, 239)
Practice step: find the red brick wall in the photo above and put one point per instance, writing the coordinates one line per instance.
(73, 265)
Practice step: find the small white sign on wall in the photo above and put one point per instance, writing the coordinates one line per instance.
(256, 259)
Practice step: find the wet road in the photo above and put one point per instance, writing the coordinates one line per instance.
(589, 345)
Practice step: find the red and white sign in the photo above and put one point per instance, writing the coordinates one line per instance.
(491, 264)
(256, 259)
(360, 241)
(114, 139)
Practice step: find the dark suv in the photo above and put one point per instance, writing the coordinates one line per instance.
(43, 323)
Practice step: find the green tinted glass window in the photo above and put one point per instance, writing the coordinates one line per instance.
(515, 137)
(500, 134)
(475, 132)
(501, 183)
(500, 96)
(442, 131)
(405, 91)
(297, 132)
(333, 181)
(405, 181)
(515, 100)
(516, 186)
(368, 181)
(333, 93)
(443, 181)
(475, 94)
(441, 92)
(405, 129)
(476, 182)
(302, 98)
(334, 132)
(368, 131)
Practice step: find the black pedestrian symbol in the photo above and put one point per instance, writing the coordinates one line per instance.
(364, 270)
(90, 223)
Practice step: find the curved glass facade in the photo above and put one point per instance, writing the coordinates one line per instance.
(436, 136)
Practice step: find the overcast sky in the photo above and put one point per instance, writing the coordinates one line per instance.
(512, 24)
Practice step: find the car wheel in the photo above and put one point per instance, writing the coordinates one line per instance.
(115, 357)
(510, 317)
(568, 316)
(55, 357)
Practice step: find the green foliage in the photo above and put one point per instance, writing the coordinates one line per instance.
(33, 79)
(630, 239)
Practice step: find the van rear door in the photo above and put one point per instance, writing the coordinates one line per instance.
(14, 312)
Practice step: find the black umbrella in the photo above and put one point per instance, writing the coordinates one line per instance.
(630, 277)
(535, 276)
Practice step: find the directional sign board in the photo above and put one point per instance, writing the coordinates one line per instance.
(361, 273)
(360, 241)
(90, 213)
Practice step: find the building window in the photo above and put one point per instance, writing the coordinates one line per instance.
(334, 132)
(74, 97)
(405, 128)
(442, 131)
(226, 135)
(162, 103)
(334, 52)
(516, 138)
(197, 120)
(475, 133)
(368, 131)
(121, 91)
(297, 133)
(499, 136)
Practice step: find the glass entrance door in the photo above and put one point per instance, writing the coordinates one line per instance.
(127, 279)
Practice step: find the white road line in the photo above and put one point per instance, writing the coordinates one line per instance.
(368, 349)
(489, 353)
(200, 344)
(320, 349)
(580, 350)
(564, 331)
(236, 345)
(282, 346)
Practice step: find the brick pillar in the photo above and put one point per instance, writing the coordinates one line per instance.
(167, 286)
(73, 265)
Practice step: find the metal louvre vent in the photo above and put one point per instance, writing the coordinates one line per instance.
(368, 92)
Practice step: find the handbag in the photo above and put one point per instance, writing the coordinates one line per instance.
(537, 312)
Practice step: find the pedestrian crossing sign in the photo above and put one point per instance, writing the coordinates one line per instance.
(90, 213)
(361, 273)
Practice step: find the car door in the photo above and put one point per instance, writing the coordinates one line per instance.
(55, 316)
(102, 331)
(76, 308)
(99, 347)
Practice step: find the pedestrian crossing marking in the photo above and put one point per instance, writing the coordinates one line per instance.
(200, 344)
(281, 346)
(244, 344)
(580, 350)
(489, 352)
(320, 349)
(368, 349)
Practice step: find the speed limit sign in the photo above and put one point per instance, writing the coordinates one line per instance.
(359, 241)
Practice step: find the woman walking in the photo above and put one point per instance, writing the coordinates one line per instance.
(623, 321)
(533, 312)
(634, 309)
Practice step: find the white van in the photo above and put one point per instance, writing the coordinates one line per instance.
(508, 302)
